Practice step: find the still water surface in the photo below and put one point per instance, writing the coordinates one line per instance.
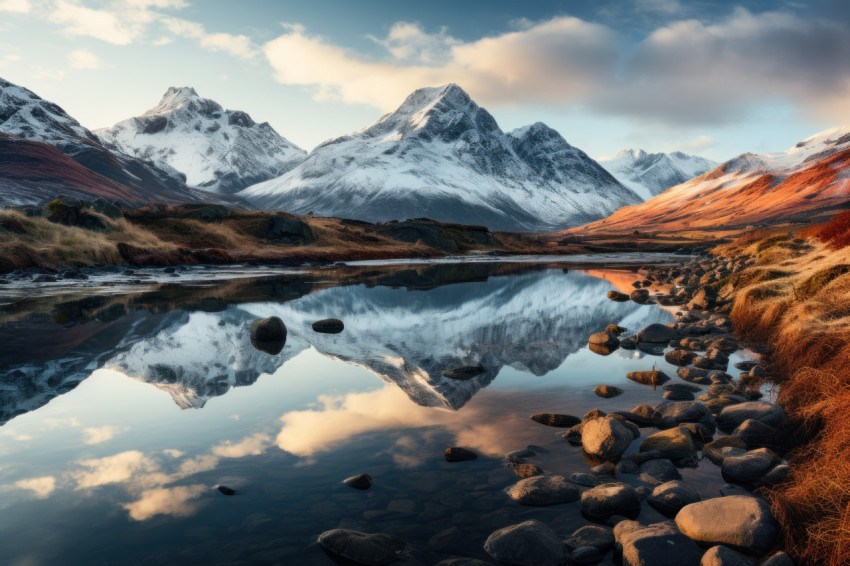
(120, 413)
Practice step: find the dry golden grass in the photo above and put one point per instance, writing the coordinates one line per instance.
(804, 320)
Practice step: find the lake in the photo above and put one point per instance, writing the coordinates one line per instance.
(126, 400)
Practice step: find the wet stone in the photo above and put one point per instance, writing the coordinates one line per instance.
(659, 471)
(457, 454)
(649, 377)
(725, 556)
(360, 481)
(607, 391)
(586, 555)
(526, 470)
(740, 522)
(268, 335)
(543, 490)
(602, 538)
(668, 498)
(363, 548)
(748, 467)
(556, 420)
(600, 502)
(526, 544)
(328, 326)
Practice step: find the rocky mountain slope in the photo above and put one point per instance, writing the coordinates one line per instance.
(650, 174)
(810, 179)
(24, 115)
(441, 156)
(218, 150)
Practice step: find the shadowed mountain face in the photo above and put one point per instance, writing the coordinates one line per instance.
(200, 348)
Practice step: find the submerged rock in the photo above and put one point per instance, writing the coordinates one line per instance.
(648, 377)
(607, 391)
(657, 333)
(657, 544)
(725, 556)
(457, 454)
(675, 443)
(606, 339)
(363, 548)
(543, 490)
(526, 544)
(602, 538)
(556, 420)
(606, 437)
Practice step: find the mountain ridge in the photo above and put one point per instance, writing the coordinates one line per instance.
(650, 174)
(442, 156)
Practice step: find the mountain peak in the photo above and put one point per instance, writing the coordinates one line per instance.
(176, 98)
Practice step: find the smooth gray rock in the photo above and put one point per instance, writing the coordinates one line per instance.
(724, 446)
(268, 335)
(724, 556)
(593, 535)
(733, 416)
(586, 555)
(360, 481)
(658, 544)
(530, 543)
(778, 474)
(606, 437)
(674, 443)
(329, 326)
(543, 490)
(754, 433)
(363, 548)
(738, 521)
(669, 498)
(748, 467)
(778, 559)
(600, 502)
(677, 412)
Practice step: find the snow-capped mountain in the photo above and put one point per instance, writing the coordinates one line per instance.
(441, 156)
(749, 190)
(650, 174)
(26, 116)
(218, 150)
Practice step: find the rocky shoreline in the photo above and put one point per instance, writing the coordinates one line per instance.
(704, 413)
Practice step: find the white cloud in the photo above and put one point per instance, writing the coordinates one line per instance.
(249, 446)
(561, 60)
(105, 25)
(15, 6)
(176, 501)
(237, 45)
(699, 143)
(172, 452)
(70, 422)
(101, 434)
(83, 59)
(42, 487)
(120, 468)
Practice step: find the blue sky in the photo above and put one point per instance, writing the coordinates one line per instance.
(713, 78)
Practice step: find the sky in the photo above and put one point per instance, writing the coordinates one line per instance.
(713, 78)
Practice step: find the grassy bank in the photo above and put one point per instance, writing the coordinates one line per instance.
(795, 302)
(83, 235)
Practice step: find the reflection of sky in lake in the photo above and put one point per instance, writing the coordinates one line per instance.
(115, 470)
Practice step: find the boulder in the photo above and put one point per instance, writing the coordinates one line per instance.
(526, 544)
(740, 522)
(694, 375)
(543, 490)
(754, 433)
(669, 498)
(724, 556)
(677, 412)
(643, 415)
(278, 229)
(657, 334)
(658, 544)
(679, 395)
(777, 475)
(329, 326)
(705, 298)
(607, 391)
(748, 467)
(363, 548)
(586, 555)
(618, 296)
(778, 559)
(268, 335)
(679, 357)
(592, 535)
(606, 437)
(675, 443)
(733, 416)
(600, 502)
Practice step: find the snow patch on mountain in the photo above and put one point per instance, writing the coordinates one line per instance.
(218, 150)
(441, 156)
(650, 174)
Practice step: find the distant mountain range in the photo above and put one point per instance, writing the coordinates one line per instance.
(650, 174)
(810, 179)
(217, 150)
(440, 155)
